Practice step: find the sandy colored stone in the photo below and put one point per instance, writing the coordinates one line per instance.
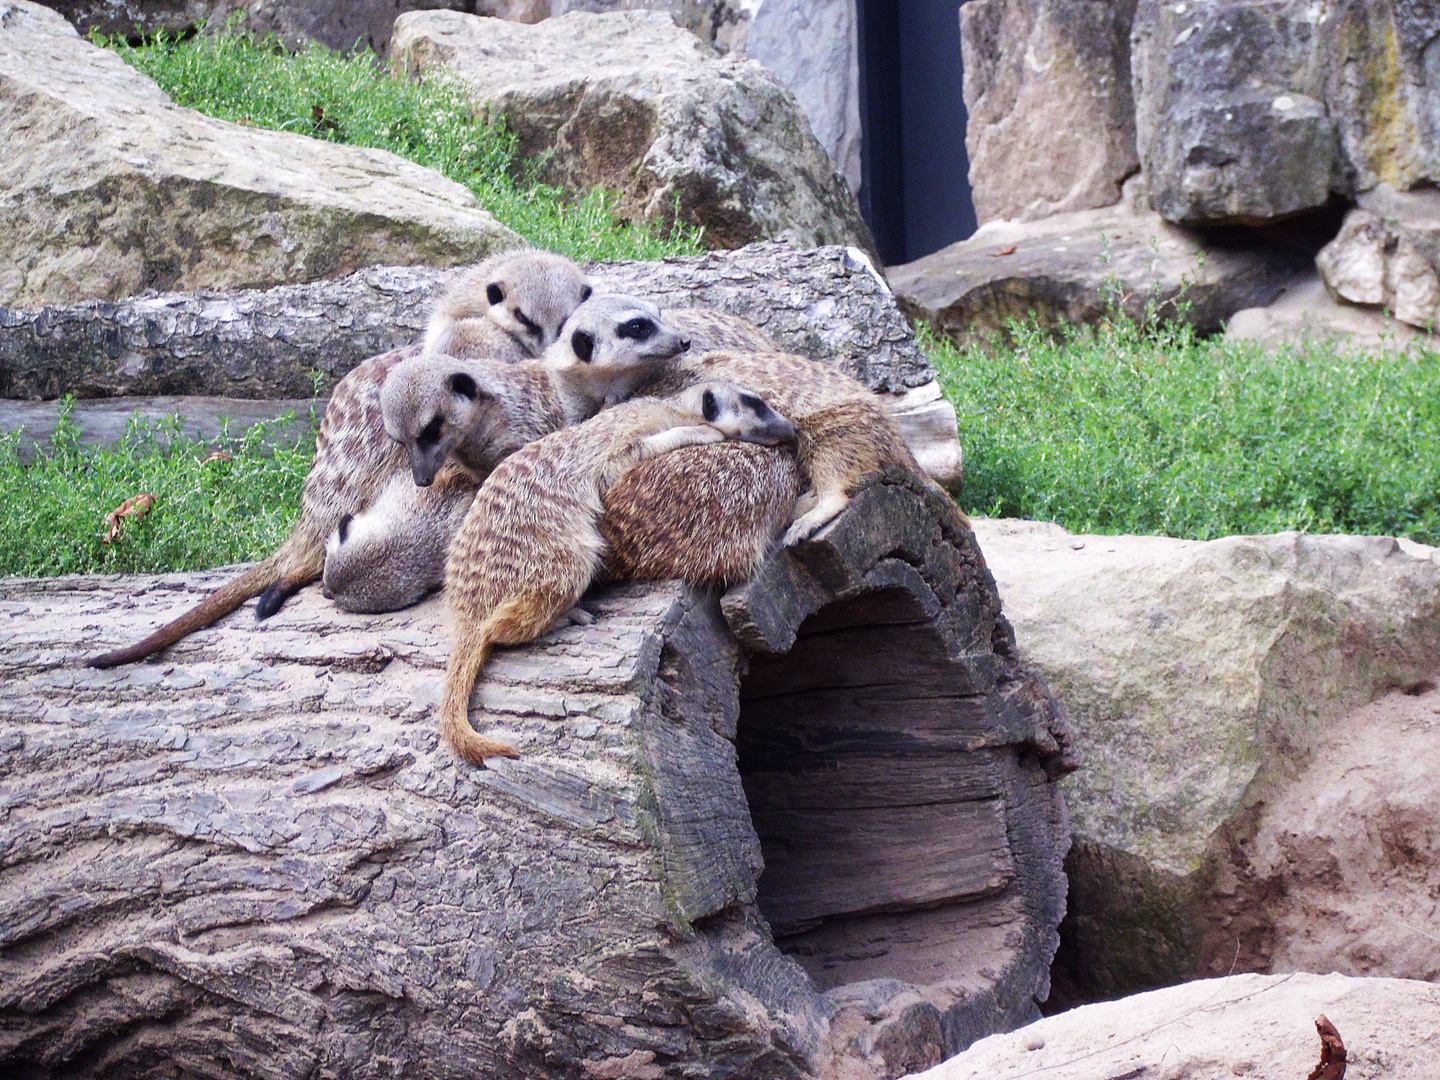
(629, 102)
(1307, 312)
(1217, 1029)
(107, 188)
(1051, 125)
(1387, 255)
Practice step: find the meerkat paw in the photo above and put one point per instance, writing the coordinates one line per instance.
(823, 511)
(577, 616)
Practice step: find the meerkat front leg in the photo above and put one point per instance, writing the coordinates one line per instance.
(827, 506)
(662, 442)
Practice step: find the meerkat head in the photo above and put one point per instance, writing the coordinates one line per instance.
(607, 347)
(737, 412)
(528, 294)
(436, 405)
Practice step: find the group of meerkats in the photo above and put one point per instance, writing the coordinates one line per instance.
(545, 436)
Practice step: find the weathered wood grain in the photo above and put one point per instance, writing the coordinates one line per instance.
(266, 343)
(252, 857)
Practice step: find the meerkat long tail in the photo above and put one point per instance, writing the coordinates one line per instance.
(213, 608)
(469, 653)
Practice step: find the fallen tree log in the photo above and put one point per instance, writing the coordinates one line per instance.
(252, 857)
(824, 303)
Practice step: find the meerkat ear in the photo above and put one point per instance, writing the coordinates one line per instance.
(585, 293)
(709, 406)
(583, 344)
(494, 292)
(462, 384)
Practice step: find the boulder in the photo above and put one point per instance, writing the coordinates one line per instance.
(1214, 688)
(1307, 312)
(1217, 1029)
(810, 828)
(1247, 111)
(1230, 113)
(1077, 268)
(629, 102)
(107, 188)
(1051, 121)
(337, 24)
(1387, 255)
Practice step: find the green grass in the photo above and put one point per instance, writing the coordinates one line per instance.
(1130, 430)
(352, 99)
(205, 514)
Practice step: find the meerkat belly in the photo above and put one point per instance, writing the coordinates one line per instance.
(705, 514)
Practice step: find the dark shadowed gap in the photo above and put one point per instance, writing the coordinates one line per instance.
(915, 187)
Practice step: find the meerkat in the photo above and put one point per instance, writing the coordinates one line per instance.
(508, 307)
(482, 410)
(836, 457)
(711, 330)
(529, 547)
(392, 554)
(354, 461)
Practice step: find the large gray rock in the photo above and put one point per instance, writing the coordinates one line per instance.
(1218, 1029)
(1307, 312)
(1249, 110)
(1051, 122)
(1387, 255)
(1075, 268)
(107, 188)
(1234, 807)
(1230, 110)
(630, 102)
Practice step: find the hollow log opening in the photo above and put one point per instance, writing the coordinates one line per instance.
(884, 840)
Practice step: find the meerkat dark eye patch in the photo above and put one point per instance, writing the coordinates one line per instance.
(494, 292)
(530, 327)
(464, 385)
(709, 407)
(637, 329)
(582, 342)
(754, 404)
(585, 293)
(345, 527)
(430, 433)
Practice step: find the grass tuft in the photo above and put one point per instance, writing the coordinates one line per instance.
(207, 513)
(1123, 429)
(350, 98)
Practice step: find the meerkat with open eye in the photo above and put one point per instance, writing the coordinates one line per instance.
(529, 546)
(508, 307)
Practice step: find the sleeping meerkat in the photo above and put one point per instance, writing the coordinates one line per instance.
(836, 456)
(529, 547)
(354, 461)
(507, 307)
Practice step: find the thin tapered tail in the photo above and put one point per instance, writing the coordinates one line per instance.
(266, 577)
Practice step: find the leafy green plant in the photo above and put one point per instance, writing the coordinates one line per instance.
(1151, 429)
(234, 75)
(218, 502)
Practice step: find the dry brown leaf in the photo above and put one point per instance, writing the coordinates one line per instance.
(1332, 1053)
(218, 455)
(1003, 251)
(137, 507)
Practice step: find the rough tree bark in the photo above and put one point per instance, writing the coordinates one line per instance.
(825, 303)
(252, 858)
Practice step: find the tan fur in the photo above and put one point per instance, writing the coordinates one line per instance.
(529, 546)
(837, 457)
(353, 462)
(710, 330)
(537, 291)
(706, 514)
